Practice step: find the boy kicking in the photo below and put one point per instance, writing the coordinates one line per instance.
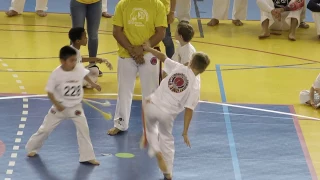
(311, 97)
(179, 91)
(78, 37)
(65, 92)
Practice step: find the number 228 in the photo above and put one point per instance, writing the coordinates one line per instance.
(72, 90)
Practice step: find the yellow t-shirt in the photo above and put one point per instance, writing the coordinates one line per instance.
(139, 18)
(88, 1)
(166, 4)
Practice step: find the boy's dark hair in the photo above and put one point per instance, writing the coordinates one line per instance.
(66, 52)
(186, 31)
(76, 33)
(200, 61)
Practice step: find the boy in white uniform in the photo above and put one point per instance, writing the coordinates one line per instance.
(185, 49)
(179, 91)
(311, 97)
(65, 92)
(78, 37)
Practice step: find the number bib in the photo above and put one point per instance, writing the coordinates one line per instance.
(71, 91)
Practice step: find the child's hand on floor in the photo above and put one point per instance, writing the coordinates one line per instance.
(97, 87)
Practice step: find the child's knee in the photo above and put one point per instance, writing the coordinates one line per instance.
(44, 130)
(304, 96)
(94, 71)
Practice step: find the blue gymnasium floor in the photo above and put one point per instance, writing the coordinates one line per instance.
(227, 143)
(267, 146)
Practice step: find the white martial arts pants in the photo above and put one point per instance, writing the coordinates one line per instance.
(316, 18)
(220, 9)
(303, 12)
(285, 18)
(183, 8)
(104, 6)
(53, 119)
(159, 133)
(18, 5)
(127, 72)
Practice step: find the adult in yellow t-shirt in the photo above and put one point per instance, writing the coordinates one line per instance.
(135, 22)
(89, 10)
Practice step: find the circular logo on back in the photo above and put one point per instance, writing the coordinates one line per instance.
(153, 60)
(178, 82)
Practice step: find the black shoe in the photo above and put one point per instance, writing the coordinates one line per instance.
(183, 21)
(100, 73)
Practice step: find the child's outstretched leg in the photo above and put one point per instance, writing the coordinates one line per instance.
(166, 141)
(84, 141)
(93, 75)
(152, 115)
(51, 121)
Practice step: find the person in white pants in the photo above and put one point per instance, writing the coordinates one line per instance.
(280, 15)
(65, 91)
(131, 28)
(17, 7)
(183, 8)
(303, 24)
(220, 9)
(105, 9)
(314, 7)
(179, 91)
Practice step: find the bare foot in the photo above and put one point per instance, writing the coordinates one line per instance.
(213, 22)
(292, 37)
(167, 177)
(106, 15)
(31, 154)
(161, 163)
(143, 142)
(113, 131)
(41, 13)
(264, 35)
(12, 13)
(94, 162)
(237, 22)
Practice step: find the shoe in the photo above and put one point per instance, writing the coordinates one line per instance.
(184, 21)
(94, 65)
